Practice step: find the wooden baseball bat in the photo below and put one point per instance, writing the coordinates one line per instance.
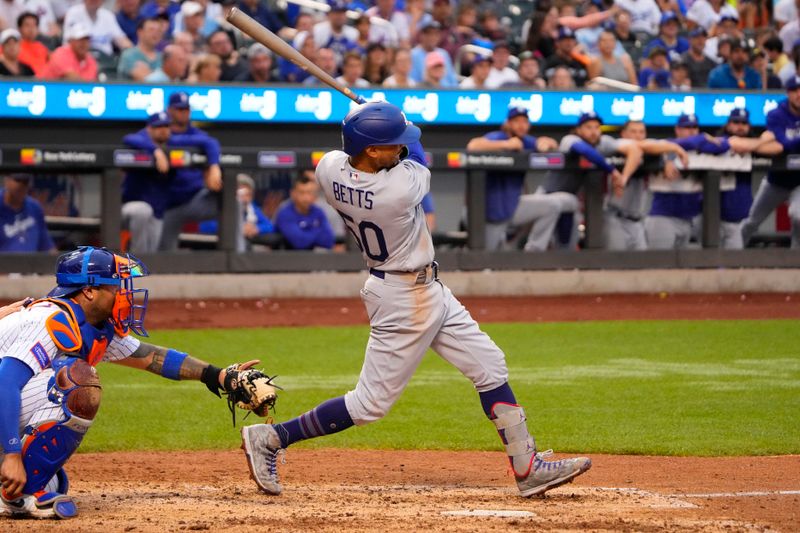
(261, 34)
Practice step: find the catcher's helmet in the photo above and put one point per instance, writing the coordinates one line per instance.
(376, 124)
(92, 267)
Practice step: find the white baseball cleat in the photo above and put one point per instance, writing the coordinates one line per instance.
(44, 505)
(546, 475)
(262, 447)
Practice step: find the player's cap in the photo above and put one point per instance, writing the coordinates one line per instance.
(739, 44)
(77, 31)
(9, 33)
(179, 100)
(669, 16)
(688, 120)
(191, 8)
(245, 180)
(526, 55)
(258, 49)
(587, 116)
(698, 32)
(434, 59)
(565, 33)
(792, 84)
(338, 5)
(517, 111)
(728, 17)
(430, 25)
(739, 114)
(158, 120)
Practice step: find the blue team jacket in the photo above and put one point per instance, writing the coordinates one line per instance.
(503, 189)
(785, 125)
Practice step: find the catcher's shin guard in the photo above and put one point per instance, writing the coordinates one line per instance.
(48, 445)
(533, 473)
(52, 502)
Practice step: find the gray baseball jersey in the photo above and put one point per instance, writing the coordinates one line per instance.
(571, 180)
(383, 211)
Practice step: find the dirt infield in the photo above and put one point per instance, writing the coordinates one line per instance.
(387, 491)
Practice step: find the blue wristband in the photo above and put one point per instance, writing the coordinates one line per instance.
(172, 364)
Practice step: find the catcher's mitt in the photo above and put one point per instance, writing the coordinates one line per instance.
(251, 390)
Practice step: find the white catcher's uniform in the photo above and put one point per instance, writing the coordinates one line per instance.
(23, 336)
(409, 308)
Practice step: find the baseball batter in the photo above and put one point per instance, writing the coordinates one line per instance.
(377, 183)
(49, 389)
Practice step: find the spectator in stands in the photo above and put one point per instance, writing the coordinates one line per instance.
(259, 11)
(542, 28)
(334, 33)
(193, 18)
(233, 66)
(442, 12)
(209, 22)
(10, 65)
(48, 23)
(645, 14)
(758, 62)
(162, 8)
(783, 123)
(376, 66)
(679, 79)
(207, 70)
(386, 10)
(353, 71)
(174, 66)
(528, 72)
(609, 64)
(490, 27)
(145, 190)
(31, 51)
(501, 73)
(194, 193)
(785, 11)
(72, 61)
(302, 223)
(479, 72)
(10, 10)
(326, 60)
(185, 41)
(790, 69)
(656, 75)
(775, 56)
(138, 62)
(561, 78)
(755, 13)
(726, 29)
(463, 31)
(588, 141)
(128, 18)
(304, 43)
(434, 71)
(255, 222)
(429, 37)
(622, 31)
(365, 35)
(259, 61)
(417, 15)
(696, 60)
(588, 35)
(790, 32)
(668, 37)
(104, 30)
(625, 209)
(401, 70)
(736, 73)
(568, 56)
(707, 13)
(22, 218)
(506, 205)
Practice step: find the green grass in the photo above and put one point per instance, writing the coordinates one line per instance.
(639, 387)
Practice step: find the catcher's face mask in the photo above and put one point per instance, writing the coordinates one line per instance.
(131, 304)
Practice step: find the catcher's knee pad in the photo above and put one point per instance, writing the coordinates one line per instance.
(48, 445)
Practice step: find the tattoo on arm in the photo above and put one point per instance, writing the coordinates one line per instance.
(191, 368)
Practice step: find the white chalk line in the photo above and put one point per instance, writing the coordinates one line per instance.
(749, 494)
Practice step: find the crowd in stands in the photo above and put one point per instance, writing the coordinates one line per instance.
(563, 44)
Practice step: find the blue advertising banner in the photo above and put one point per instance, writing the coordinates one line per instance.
(240, 103)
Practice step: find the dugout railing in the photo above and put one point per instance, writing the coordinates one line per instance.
(111, 161)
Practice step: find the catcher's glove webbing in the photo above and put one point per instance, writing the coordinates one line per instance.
(251, 390)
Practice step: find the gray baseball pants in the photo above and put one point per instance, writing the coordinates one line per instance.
(623, 234)
(145, 228)
(767, 199)
(203, 206)
(667, 233)
(542, 210)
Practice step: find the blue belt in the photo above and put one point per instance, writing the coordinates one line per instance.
(421, 275)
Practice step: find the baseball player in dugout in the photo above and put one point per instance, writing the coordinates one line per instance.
(506, 205)
(49, 389)
(377, 182)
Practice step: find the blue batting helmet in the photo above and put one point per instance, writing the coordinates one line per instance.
(92, 267)
(376, 124)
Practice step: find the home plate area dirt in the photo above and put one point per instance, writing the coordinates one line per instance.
(387, 491)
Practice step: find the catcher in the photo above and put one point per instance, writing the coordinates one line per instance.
(50, 390)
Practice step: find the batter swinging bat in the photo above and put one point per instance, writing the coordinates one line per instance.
(261, 34)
